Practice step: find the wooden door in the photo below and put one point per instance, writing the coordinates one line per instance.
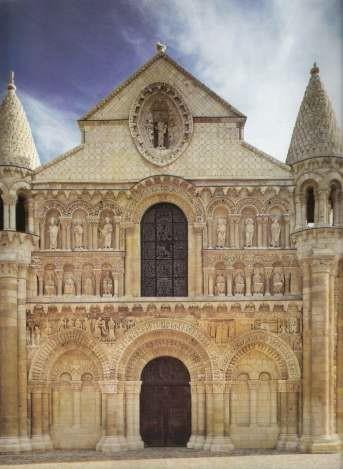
(165, 403)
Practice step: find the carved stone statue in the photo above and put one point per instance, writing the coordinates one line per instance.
(162, 128)
(107, 285)
(53, 230)
(149, 126)
(88, 286)
(106, 233)
(239, 286)
(220, 285)
(69, 285)
(258, 283)
(249, 232)
(78, 234)
(36, 335)
(278, 283)
(49, 283)
(111, 328)
(275, 232)
(221, 232)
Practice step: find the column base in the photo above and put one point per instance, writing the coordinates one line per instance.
(25, 443)
(191, 441)
(221, 444)
(208, 442)
(199, 442)
(111, 444)
(48, 442)
(38, 443)
(325, 444)
(287, 442)
(134, 442)
(10, 444)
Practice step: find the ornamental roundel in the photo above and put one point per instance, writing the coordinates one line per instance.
(160, 124)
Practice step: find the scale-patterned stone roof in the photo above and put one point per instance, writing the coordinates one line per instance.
(17, 147)
(316, 132)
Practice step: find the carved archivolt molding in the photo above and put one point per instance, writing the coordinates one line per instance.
(161, 124)
(58, 344)
(164, 189)
(268, 343)
(157, 329)
(166, 344)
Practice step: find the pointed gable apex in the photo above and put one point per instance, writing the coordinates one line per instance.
(161, 67)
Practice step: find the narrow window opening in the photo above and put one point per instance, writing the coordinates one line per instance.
(1, 214)
(20, 214)
(310, 205)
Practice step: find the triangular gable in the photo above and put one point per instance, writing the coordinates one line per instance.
(161, 67)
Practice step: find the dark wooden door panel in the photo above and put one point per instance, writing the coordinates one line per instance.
(165, 401)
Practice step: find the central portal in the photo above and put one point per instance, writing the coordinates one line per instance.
(165, 403)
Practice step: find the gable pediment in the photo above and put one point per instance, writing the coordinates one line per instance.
(161, 68)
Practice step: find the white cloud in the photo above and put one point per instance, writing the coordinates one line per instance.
(54, 131)
(257, 57)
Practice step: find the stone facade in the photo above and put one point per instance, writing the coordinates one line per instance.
(260, 329)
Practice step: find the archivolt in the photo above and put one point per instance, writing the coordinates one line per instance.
(271, 345)
(164, 189)
(157, 337)
(58, 344)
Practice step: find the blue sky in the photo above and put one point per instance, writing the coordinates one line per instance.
(68, 54)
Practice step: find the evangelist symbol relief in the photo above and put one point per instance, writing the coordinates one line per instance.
(161, 124)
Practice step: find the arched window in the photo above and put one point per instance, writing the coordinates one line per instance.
(20, 214)
(310, 205)
(1, 213)
(164, 251)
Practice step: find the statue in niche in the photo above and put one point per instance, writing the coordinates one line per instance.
(106, 233)
(278, 283)
(107, 285)
(78, 234)
(149, 126)
(221, 232)
(88, 285)
(275, 232)
(162, 129)
(220, 285)
(258, 283)
(49, 283)
(36, 335)
(69, 285)
(249, 232)
(239, 286)
(53, 230)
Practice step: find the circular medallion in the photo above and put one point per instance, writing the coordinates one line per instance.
(160, 124)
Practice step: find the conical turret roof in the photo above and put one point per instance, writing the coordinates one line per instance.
(315, 132)
(17, 147)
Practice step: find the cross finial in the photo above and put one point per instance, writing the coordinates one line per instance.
(11, 85)
(315, 69)
(161, 48)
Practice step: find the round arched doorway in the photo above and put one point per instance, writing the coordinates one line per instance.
(165, 403)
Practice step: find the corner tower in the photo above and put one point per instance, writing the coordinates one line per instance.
(316, 157)
(18, 157)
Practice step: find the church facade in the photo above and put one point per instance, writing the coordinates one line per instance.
(165, 283)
